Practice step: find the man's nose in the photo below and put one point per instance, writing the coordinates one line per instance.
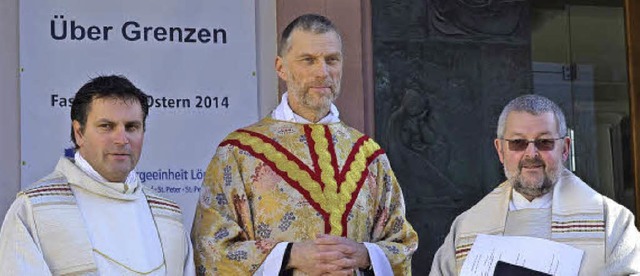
(120, 136)
(531, 150)
(321, 70)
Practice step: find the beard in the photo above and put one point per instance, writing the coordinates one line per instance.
(304, 97)
(532, 186)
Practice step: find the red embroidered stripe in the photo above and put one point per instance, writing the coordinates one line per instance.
(462, 252)
(579, 221)
(315, 175)
(578, 231)
(334, 158)
(314, 155)
(165, 208)
(50, 194)
(355, 193)
(351, 157)
(64, 188)
(163, 203)
(578, 226)
(286, 178)
(284, 151)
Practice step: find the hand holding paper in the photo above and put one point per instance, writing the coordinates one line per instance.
(538, 254)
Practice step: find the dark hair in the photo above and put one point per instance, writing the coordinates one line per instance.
(314, 23)
(118, 87)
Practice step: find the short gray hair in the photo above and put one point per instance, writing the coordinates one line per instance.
(535, 105)
(313, 23)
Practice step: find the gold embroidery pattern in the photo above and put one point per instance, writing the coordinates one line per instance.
(339, 186)
(50, 190)
(355, 172)
(335, 208)
(161, 203)
(462, 251)
(577, 226)
(282, 163)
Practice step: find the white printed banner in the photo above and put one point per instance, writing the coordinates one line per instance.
(196, 58)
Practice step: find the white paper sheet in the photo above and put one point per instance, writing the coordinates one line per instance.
(538, 254)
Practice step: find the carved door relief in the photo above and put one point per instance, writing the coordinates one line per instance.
(445, 69)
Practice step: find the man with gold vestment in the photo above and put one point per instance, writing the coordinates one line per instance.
(300, 192)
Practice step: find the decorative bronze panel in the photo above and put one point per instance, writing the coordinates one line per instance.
(443, 71)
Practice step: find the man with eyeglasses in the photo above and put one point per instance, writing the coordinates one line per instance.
(542, 199)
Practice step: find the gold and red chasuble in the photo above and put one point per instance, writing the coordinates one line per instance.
(329, 189)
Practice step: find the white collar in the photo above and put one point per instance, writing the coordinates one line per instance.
(518, 201)
(130, 184)
(283, 112)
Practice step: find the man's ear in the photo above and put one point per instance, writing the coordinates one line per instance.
(498, 144)
(566, 148)
(78, 132)
(280, 68)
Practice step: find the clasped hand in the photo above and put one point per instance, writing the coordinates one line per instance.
(328, 255)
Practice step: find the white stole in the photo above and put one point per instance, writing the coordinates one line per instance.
(577, 219)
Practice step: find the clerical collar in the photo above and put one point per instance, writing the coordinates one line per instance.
(518, 201)
(283, 112)
(128, 186)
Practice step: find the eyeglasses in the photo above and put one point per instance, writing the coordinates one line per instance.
(546, 144)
